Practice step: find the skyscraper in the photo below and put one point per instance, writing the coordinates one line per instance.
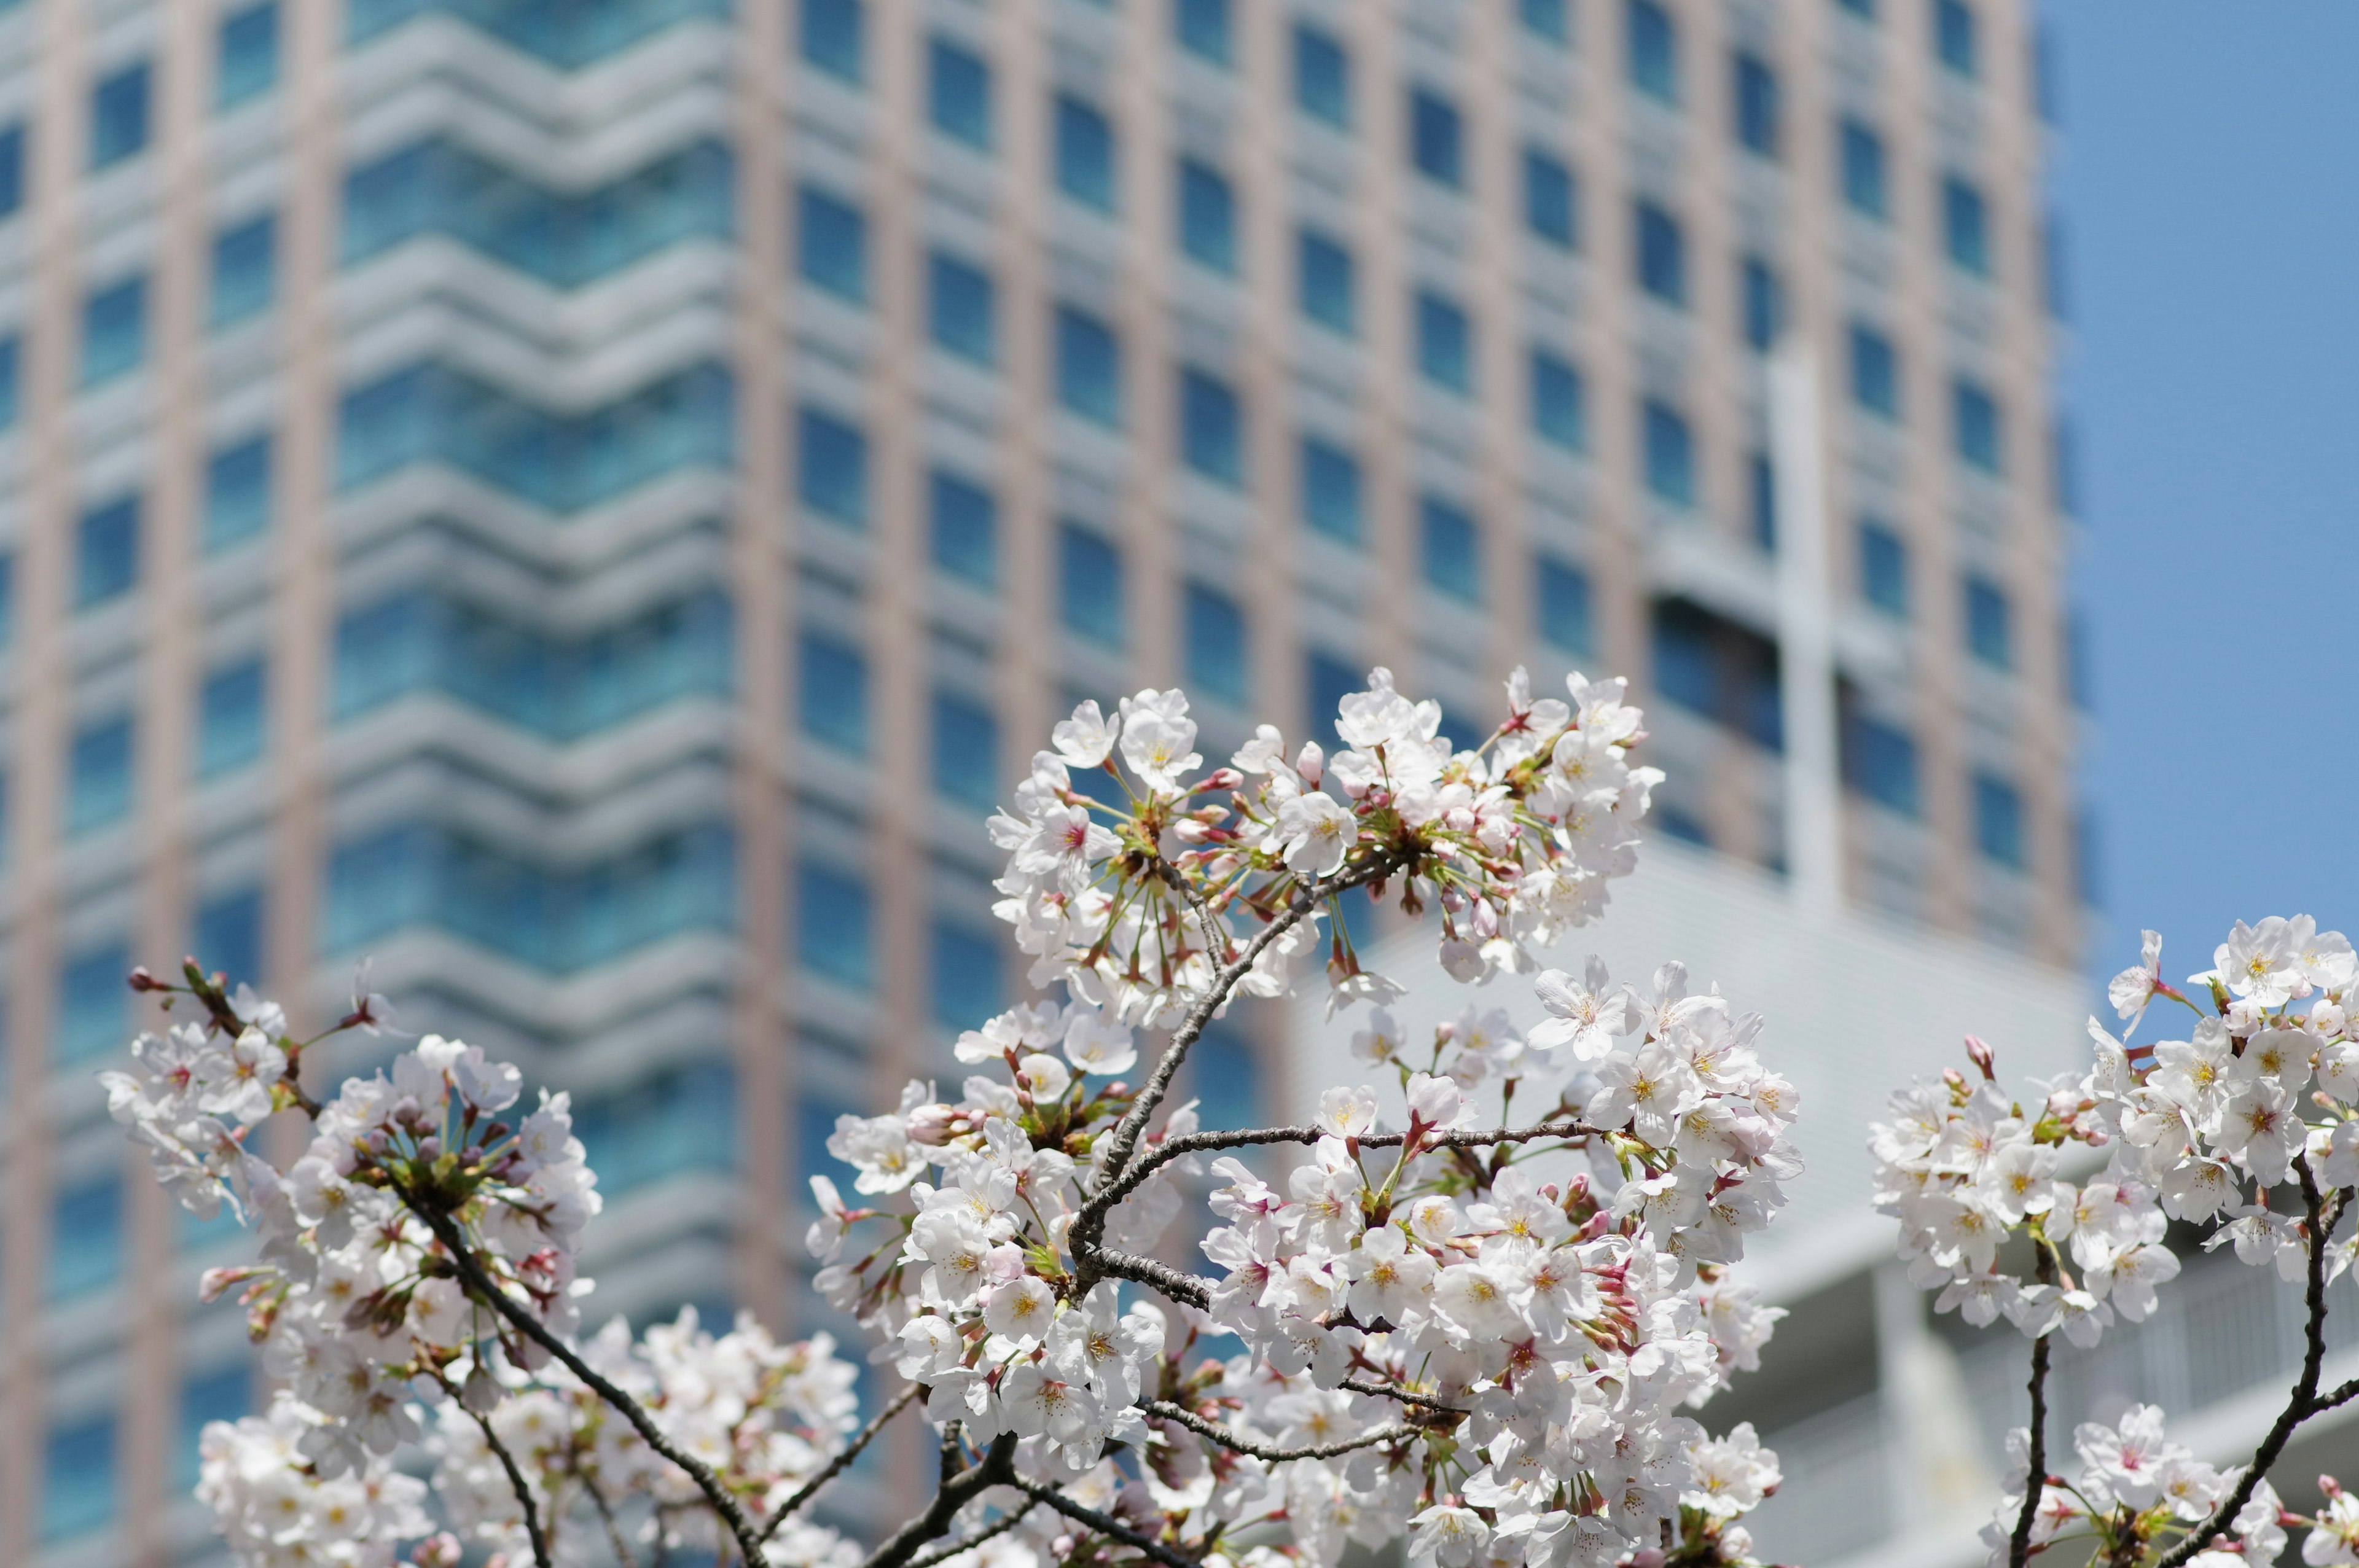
(587, 502)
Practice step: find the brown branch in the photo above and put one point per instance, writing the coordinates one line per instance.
(999, 1526)
(1105, 1524)
(1183, 1287)
(516, 1484)
(623, 1553)
(1423, 1401)
(1269, 1453)
(2019, 1545)
(837, 1465)
(996, 1468)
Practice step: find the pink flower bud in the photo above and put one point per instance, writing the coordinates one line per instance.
(1311, 765)
(931, 1125)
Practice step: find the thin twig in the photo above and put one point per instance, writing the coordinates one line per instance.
(623, 1552)
(999, 1526)
(2018, 1546)
(1423, 1401)
(836, 1467)
(516, 1484)
(996, 1468)
(1105, 1524)
(1269, 1453)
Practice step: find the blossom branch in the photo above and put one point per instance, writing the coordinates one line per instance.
(998, 1527)
(2019, 1545)
(1181, 1287)
(1105, 1524)
(843, 1460)
(996, 1468)
(1424, 1401)
(516, 1484)
(623, 1553)
(1269, 1452)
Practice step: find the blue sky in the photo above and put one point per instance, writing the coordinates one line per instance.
(2208, 173)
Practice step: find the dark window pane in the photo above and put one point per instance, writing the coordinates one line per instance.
(1322, 75)
(831, 36)
(1563, 609)
(245, 271)
(1208, 219)
(1863, 171)
(1089, 366)
(1089, 585)
(1452, 550)
(118, 116)
(958, 92)
(832, 919)
(228, 936)
(831, 243)
(237, 492)
(1976, 425)
(1998, 821)
(1214, 639)
(1883, 567)
(1755, 87)
(1990, 634)
(961, 306)
(248, 63)
(114, 330)
(1085, 166)
(833, 468)
(1965, 225)
(1211, 428)
(966, 525)
(1202, 26)
(1551, 203)
(231, 720)
(1954, 36)
(1669, 454)
(1435, 138)
(1445, 349)
(1653, 41)
(1326, 281)
(1560, 413)
(966, 751)
(1331, 491)
(1879, 760)
(834, 693)
(1764, 305)
(1874, 372)
(106, 552)
(1662, 263)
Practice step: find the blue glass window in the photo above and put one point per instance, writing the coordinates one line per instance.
(1998, 821)
(230, 720)
(834, 693)
(1563, 610)
(1654, 51)
(966, 751)
(1328, 680)
(1445, 348)
(2063, 466)
(1213, 640)
(1879, 760)
(219, 1393)
(1761, 486)
(1882, 566)
(1669, 454)
(78, 1485)
(1436, 140)
(1662, 258)
(1211, 428)
(106, 552)
(86, 1239)
(958, 92)
(1330, 489)
(965, 528)
(244, 270)
(1451, 549)
(1763, 304)
(1551, 201)
(679, 1120)
(98, 775)
(247, 65)
(11, 170)
(228, 935)
(1954, 36)
(831, 36)
(831, 243)
(93, 1003)
(959, 307)
(114, 330)
(1989, 631)
(1089, 585)
(237, 492)
(833, 919)
(567, 34)
(7, 617)
(1756, 109)
(1224, 1074)
(1864, 184)
(1965, 225)
(118, 116)
(1326, 281)
(1089, 366)
(968, 983)
(1322, 75)
(1864, 9)
(1208, 216)
(10, 353)
(1974, 421)
(1084, 153)
(1874, 372)
(1560, 406)
(1202, 26)
(1549, 19)
(833, 467)
(1718, 669)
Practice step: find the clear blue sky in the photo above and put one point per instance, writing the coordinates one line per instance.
(2207, 175)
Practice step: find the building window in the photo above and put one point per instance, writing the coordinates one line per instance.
(1654, 48)
(86, 1243)
(8, 635)
(831, 243)
(1754, 85)
(78, 1488)
(1662, 261)
(1551, 201)
(1089, 585)
(1954, 36)
(1669, 454)
(1208, 217)
(237, 492)
(1560, 411)
(11, 170)
(1451, 549)
(1213, 637)
(1883, 567)
(228, 935)
(1998, 821)
(1974, 420)
(833, 704)
(114, 330)
(1549, 19)
(1874, 372)
(1202, 26)
(1089, 366)
(966, 751)
(1989, 635)
(1563, 609)
(1965, 225)
(1445, 349)
(244, 270)
(959, 304)
(968, 986)
(1879, 760)
(1861, 152)
(1322, 75)
(230, 720)
(1864, 9)
(1331, 491)
(1761, 489)
(118, 116)
(10, 353)
(223, 1393)
(958, 92)
(93, 1003)
(1211, 428)
(1435, 139)
(831, 36)
(833, 921)
(831, 471)
(1764, 304)
(965, 526)
(1714, 667)
(106, 552)
(98, 773)
(1326, 282)
(247, 66)
(1084, 153)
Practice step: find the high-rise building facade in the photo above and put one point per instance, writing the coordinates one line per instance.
(586, 502)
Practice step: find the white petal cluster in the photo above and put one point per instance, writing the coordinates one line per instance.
(274, 1510)
(196, 1089)
(2136, 1486)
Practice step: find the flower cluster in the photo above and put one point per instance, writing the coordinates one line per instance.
(2138, 1490)
(273, 1507)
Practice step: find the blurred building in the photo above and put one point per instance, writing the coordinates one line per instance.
(587, 502)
